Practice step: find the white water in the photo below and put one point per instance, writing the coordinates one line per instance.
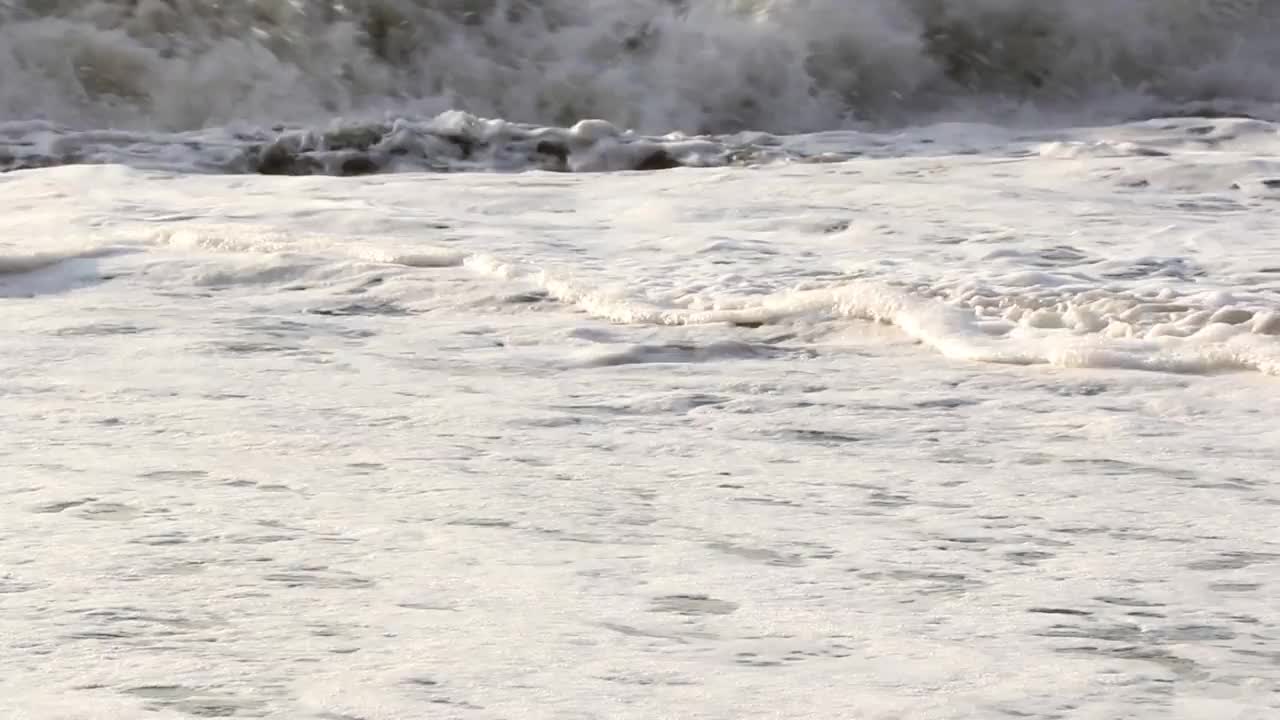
(352, 88)
(632, 445)
(836, 410)
(654, 65)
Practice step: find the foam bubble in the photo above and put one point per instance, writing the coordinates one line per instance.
(1195, 333)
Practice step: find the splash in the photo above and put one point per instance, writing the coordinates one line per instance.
(697, 66)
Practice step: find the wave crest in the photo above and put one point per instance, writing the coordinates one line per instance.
(708, 66)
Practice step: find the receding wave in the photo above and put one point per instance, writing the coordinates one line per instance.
(696, 66)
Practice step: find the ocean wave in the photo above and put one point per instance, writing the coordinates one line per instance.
(695, 66)
(452, 141)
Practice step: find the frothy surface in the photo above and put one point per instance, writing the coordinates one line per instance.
(554, 445)
(353, 370)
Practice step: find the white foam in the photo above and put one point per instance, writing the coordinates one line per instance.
(287, 458)
(1111, 331)
(240, 238)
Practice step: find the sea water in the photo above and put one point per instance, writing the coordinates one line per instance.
(897, 359)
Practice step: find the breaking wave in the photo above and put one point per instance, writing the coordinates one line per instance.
(696, 66)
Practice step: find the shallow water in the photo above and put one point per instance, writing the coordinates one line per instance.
(967, 428)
